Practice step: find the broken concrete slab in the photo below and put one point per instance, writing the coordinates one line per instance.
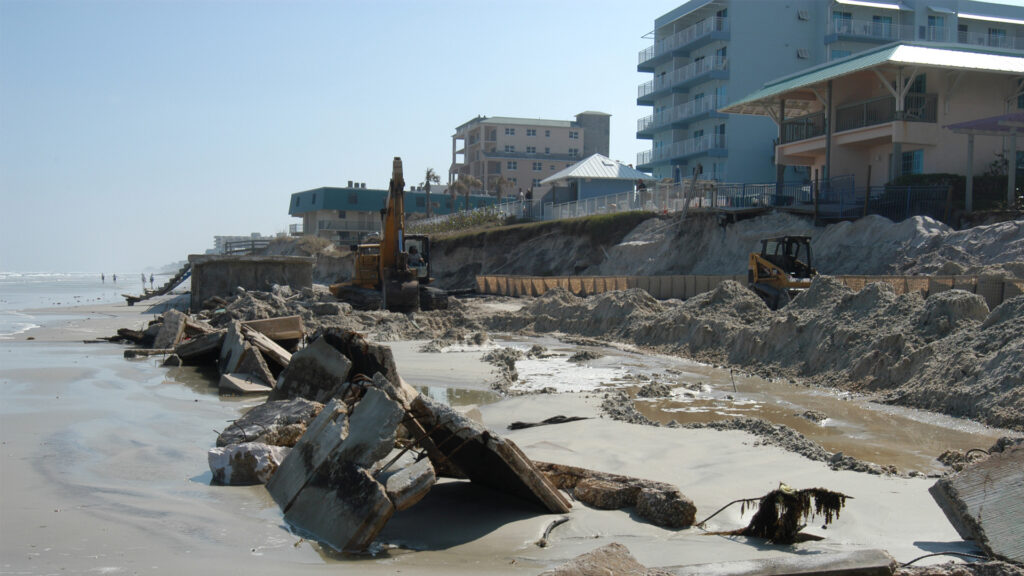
(657, 502)
(172, 329)
(856, 563)
(409, 485)
(232, 349)
(482, 455)
(325, 487)
(611, 558)
(317, 372)
(279, 423)
(242, 384)
(252, 362)
(985, 503)
(245, 464)
(200, 348)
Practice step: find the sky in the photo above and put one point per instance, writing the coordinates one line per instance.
(132, 133)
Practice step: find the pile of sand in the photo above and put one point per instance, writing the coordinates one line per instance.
(947, 353)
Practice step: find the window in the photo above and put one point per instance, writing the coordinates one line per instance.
(912, 162)
(881, 26)
(531, 132)
(721, 96)
(547, 133)
(297, 200)
(573, 135)
(514, 180)
(547, 150)
(353, 198)
(341, 214)
(553, 166)
(698, 134)
(961, 33)
(1020, 101)
(837, 54)
(535, 182)
(842, 22)
(512, 165)
(510, 148)
(538, 166)
(531, 149)
(314, 198)
(936, 28)
(997, 37)
(510, 131)
(720, 54)
(574, 152)
(803, 53)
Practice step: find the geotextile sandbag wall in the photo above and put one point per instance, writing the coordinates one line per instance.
(994, 289)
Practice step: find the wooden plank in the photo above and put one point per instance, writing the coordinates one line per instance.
(267, 346)
(281, 328)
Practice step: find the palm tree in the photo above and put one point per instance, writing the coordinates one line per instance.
(454, 188)
(500, 185)
(429, 177)
(465, 183)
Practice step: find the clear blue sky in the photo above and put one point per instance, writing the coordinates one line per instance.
(133, 132)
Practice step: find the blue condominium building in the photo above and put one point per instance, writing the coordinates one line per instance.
(707, 53)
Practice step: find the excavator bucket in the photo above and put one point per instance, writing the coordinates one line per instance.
(402, 296)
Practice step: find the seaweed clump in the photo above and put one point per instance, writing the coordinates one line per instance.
(784, 512)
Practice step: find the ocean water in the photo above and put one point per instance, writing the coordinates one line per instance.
(21, 293)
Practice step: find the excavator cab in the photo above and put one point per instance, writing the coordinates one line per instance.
(781, 270)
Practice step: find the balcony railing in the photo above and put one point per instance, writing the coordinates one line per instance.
(680, 112)
(682, 75)
(871, 30)
(683, 38)
(916, 108)
(353, 226)
(682, 148)
(803, 127)
(991, 40)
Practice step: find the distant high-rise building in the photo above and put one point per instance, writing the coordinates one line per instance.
(708, 52)
(525, 151)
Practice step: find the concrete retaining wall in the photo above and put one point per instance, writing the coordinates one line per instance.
(994, 290)
(220, 275)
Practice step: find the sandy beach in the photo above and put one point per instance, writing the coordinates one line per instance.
(103, 469)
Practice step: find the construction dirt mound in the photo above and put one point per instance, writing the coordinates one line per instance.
(947, 353)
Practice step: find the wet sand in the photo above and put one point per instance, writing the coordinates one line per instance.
(103, 469)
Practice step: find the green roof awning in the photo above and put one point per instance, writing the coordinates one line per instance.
(765, 102)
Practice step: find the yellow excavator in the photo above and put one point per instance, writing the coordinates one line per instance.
(395, 272)
(781, 270)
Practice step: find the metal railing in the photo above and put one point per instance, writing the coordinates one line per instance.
(367, 227)
(239, 247)
(803, 127)
(683, 38)
(834, 199)
(682, 75)
(871, 29)
(683, 148)
(295, 229)
(916, 108)
(680, 112)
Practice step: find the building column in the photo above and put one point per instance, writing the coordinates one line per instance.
(780, 168)
(1011, 171)
(969, 185)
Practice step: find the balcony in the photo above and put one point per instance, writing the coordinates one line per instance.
(803, 127)
(682, 78)
(709, 144)
(679, 43)
(990, 40)
(916, 108)
(867, 31)
(678, 114)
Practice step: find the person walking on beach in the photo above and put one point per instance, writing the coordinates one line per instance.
(115, 278)
(151, 281)
(103, 278)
